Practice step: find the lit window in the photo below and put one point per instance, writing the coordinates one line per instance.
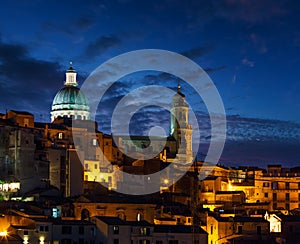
(145, 231)
(60, 135)
(94, 142)
(116, 230)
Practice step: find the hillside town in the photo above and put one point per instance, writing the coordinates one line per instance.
(55, 190)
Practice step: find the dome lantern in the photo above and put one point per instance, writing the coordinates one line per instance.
(71, 76)
(70, 101)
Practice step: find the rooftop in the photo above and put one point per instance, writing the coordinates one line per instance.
(177, 229)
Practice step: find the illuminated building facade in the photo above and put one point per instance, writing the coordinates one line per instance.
(20, 160)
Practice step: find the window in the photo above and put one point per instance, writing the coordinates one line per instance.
(25, 232)
(173, 242)
(116, 230)
(211, 229)
(274, 185)
(66, 241)
(66, 229)
(94, 142)
(196, 242)
(287, 196)
(274, 196)
(144, 241)
(240, 229)
(266, 195)
(159, 242)
(116, 241)
(44, 228)
(139, 217)
(95, 166)
(287, 206)
(26, 122)
(287, 185)
(60, 135)
(81, 230)
(145, 231)
(258, 229)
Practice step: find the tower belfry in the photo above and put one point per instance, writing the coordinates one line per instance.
(71, 76)
(180, 128)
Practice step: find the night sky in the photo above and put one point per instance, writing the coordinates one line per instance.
(250, 49)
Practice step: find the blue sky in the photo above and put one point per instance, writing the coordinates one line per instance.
(250, 49)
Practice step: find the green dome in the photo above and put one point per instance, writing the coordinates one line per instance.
(70, 98)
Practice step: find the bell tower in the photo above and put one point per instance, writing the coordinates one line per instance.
(180, 129)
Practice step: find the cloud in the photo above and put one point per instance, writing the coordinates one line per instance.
(27, 83)
(248, 63)
(198, 52)
(216, 69)
(84, 22)
(254, 141)
(81, 23)
(52, 27)
(259, 43)
(250, 11)
(100, 45)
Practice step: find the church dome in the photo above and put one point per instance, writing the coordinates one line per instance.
(70, 100)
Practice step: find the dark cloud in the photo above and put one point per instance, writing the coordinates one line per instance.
(198, 52)
(216, 69)
(27, 83)
(84, 22)
(11, 52)
(256, 153)
(100, 45)
(250, 11)
(72, 28)
(253, 141)
(52, 27)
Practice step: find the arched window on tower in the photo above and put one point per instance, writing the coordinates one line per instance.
(60, 135)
